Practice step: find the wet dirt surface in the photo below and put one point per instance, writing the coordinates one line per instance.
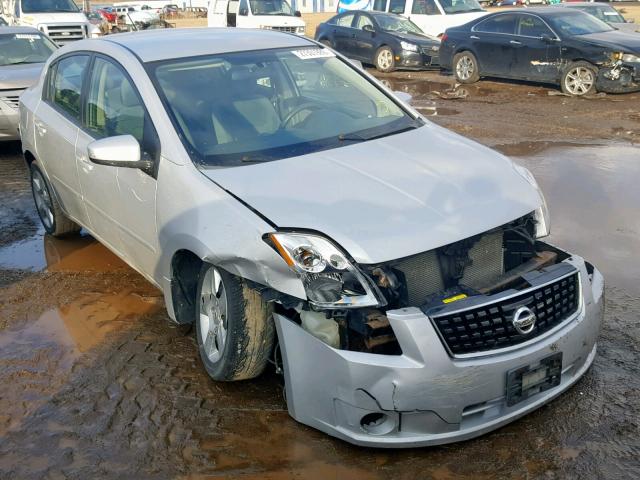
(96, 383)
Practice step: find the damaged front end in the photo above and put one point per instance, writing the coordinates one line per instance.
(418, 350)
(621, 74)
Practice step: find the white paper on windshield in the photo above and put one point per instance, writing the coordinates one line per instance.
(611, 14)
(26, 36)
(309, 53)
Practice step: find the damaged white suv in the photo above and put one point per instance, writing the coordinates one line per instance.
(267, 185)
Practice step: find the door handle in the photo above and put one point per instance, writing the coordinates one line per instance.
(474, 37)
(515, 42)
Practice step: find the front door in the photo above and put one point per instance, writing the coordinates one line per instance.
(539, 59)
(56, 123)
(363, 47)
(121, 201)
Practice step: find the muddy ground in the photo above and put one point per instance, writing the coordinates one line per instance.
(95, 383)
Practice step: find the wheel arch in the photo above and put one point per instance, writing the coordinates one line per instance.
(185, 269)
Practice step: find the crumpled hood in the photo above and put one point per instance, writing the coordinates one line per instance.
(18, 77)
(615, 40)
(391, 197)
(419, 39)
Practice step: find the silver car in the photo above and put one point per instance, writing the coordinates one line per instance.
(606, 13)
(294, 209)
(23, 51)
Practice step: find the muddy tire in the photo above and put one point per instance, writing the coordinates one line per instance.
(234, 326)
(53, 219)
(578, 79)
(385, 60)
(465, 67)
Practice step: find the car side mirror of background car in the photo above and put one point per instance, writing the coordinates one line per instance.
(297, 13)
(548, 38)
(369, 28)
(404, 97)
(119, 151)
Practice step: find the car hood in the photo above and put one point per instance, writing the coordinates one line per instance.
(53, 18)
(419, 39)
(391, 197)
(16, 77)
(279, 21)
(619, 40)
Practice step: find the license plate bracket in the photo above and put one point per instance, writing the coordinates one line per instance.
(523, 382)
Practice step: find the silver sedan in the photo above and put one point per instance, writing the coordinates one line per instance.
(294, 209)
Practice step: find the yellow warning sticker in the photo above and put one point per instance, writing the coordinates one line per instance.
(455, 298)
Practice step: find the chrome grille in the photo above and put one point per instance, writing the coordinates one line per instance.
(11, 100)
(63, 34)
(285, 29)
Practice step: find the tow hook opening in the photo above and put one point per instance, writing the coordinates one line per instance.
(377, 423)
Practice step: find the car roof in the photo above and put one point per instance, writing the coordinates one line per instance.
(542, 11)
(583, 4)
(11, 30)
(164, 44)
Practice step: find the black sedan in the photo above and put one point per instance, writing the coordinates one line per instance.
(385, 40)
(553, 45)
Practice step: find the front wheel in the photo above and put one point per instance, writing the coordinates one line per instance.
(579, 79)
(465, 67)
(234, 326)
(384, 60)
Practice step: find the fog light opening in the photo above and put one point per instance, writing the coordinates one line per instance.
(377, 423)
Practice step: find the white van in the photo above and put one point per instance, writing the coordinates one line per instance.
(61, 20)
(266, 14)
(432, 16)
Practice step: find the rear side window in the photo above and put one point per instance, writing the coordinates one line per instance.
(346, 20)
(498, 24)
(397, 6)
(67, 84)
(530, 26)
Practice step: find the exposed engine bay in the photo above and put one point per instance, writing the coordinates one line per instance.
(482, 265)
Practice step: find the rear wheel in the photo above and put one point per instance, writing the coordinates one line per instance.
(579, 79)
(384, 60)
(234, 326)
(465, 67)
(53, 219)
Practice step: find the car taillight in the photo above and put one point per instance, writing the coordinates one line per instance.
(444, 37)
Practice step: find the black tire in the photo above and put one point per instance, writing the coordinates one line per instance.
(250, 331)
(385, 60)
(465, 67)
(55, 222)
(579, 79)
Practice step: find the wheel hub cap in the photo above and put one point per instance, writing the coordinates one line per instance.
(42, 199)
(213, 315)
(464, 69)
(579, 81)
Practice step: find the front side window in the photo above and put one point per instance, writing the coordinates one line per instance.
(244, 8)
(20, 48)
(362, 21)
(67, 84)
(271, 7)
(530, 26)
(48, 6)
(425, 7)
(240, 108)
(499, 24)
(397, 6)
(113, 105)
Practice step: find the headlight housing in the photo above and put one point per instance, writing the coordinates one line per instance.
(411, 47)
(630, 58)
(300, 30)
(329, 278)
(541, 214)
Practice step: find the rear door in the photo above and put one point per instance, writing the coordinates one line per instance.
(56, 122)
(343, 33)
(495, 44)
(539, 57)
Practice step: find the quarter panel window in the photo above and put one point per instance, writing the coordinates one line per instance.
(498, 24)
(362, 21)
(346, 20)
(67, 84)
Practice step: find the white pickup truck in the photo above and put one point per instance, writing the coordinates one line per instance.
(266, 14)
(61, 20)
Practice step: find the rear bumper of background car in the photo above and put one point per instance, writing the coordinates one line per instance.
(426, 396)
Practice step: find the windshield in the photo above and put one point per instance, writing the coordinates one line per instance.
(271, 7)
(20, 48)
(392, 23)
(577, 23)
(45, 6)
(604, 13)
(460, 6)
(240, 108)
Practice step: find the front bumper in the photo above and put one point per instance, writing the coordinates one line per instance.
(424, 58)
(621, 78)
(426, 396)
(9, 122)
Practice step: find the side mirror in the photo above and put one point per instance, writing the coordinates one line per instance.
(297, 13)
(243, 12)
(120, 151)
(369, 28)
(404, 97)
(548, 38)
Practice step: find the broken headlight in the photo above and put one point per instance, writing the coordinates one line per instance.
(541, 214)
(330, 279)
(410, 47)
(630, 58)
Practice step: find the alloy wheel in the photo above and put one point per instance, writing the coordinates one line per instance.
(465, 68)
(579, 80)
(385, 59)
(213, 315)
(42, 198)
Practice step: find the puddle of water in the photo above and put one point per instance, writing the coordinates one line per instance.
(594, 200)
(77, 254)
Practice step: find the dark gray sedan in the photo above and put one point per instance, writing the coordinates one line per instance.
(23, 51)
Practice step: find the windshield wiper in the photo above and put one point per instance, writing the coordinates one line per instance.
(356, 137)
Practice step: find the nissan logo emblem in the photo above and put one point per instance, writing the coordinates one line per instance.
(524, 320)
